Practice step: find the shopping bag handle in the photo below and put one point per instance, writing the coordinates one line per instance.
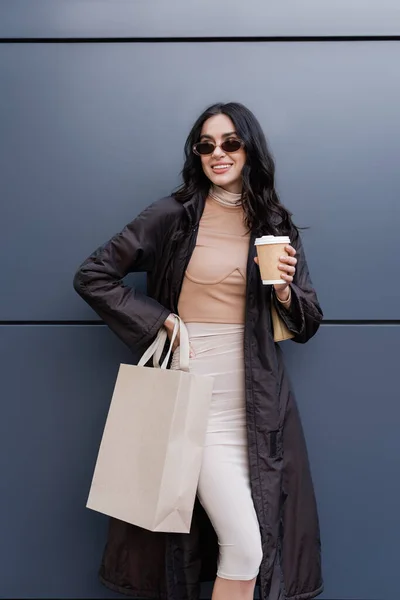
(156, 348)
(184, 345)
(159, 342)
(159, 349)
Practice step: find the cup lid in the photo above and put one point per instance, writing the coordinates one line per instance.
(272, 239)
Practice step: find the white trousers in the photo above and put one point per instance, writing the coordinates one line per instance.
(224, 485)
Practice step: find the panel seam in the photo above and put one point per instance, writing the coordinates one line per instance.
(198, 39)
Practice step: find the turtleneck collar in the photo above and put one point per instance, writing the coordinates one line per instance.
(224, 197)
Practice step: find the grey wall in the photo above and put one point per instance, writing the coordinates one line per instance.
(80, 155)
(199, 18)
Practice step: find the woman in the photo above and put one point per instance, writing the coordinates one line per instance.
(197, 247)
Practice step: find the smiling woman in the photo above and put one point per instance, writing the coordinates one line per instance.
(197, 247)
(228, 148)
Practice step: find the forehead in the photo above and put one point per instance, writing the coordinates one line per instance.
(217, 126)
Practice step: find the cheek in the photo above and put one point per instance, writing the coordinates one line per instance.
(205, 164)
(242, 161)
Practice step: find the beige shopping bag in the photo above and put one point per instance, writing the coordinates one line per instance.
(149, 460)
(281, 332)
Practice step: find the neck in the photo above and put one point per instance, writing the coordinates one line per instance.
(224, 197)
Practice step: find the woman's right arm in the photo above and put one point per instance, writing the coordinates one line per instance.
(132, 315)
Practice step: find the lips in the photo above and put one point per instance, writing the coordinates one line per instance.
(221, 167)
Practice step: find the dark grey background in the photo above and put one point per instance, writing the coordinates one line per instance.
(94, 132)
(57, 383)
(90, 133)
(198, 18)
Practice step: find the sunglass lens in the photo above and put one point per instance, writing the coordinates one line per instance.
(204, 148)
(231, 146)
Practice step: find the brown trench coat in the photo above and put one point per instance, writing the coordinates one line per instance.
(165, 566)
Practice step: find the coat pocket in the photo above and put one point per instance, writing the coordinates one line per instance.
(275, 445)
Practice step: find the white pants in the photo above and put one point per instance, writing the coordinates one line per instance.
(224, 485)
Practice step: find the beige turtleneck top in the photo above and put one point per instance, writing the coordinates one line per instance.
(214, 286)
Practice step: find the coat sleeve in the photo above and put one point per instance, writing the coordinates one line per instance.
(304, 316)
(132, 315)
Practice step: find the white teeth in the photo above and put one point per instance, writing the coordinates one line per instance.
(221, 166)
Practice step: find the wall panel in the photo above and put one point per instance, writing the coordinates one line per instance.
(56, 386)
(199, 18)
(92, 133)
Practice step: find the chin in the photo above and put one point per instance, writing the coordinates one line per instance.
(221, 180)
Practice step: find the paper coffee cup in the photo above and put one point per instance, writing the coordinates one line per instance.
(269, 250)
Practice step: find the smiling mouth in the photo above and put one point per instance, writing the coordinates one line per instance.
(222, 168)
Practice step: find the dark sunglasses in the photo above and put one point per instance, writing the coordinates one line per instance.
(229, 145)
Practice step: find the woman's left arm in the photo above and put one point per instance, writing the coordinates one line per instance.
(301, 312)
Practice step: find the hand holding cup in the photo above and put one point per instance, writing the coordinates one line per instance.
(278, 263)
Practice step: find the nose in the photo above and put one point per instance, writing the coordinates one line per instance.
(218, 152)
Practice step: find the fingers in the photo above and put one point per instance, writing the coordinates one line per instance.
(290, 250)
(287, 269)
(191, 351)
(287, 264)
(287, 278)
(287, 273)
(176, 340)
(288, 260)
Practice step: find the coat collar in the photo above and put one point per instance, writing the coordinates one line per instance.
(195, 207)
